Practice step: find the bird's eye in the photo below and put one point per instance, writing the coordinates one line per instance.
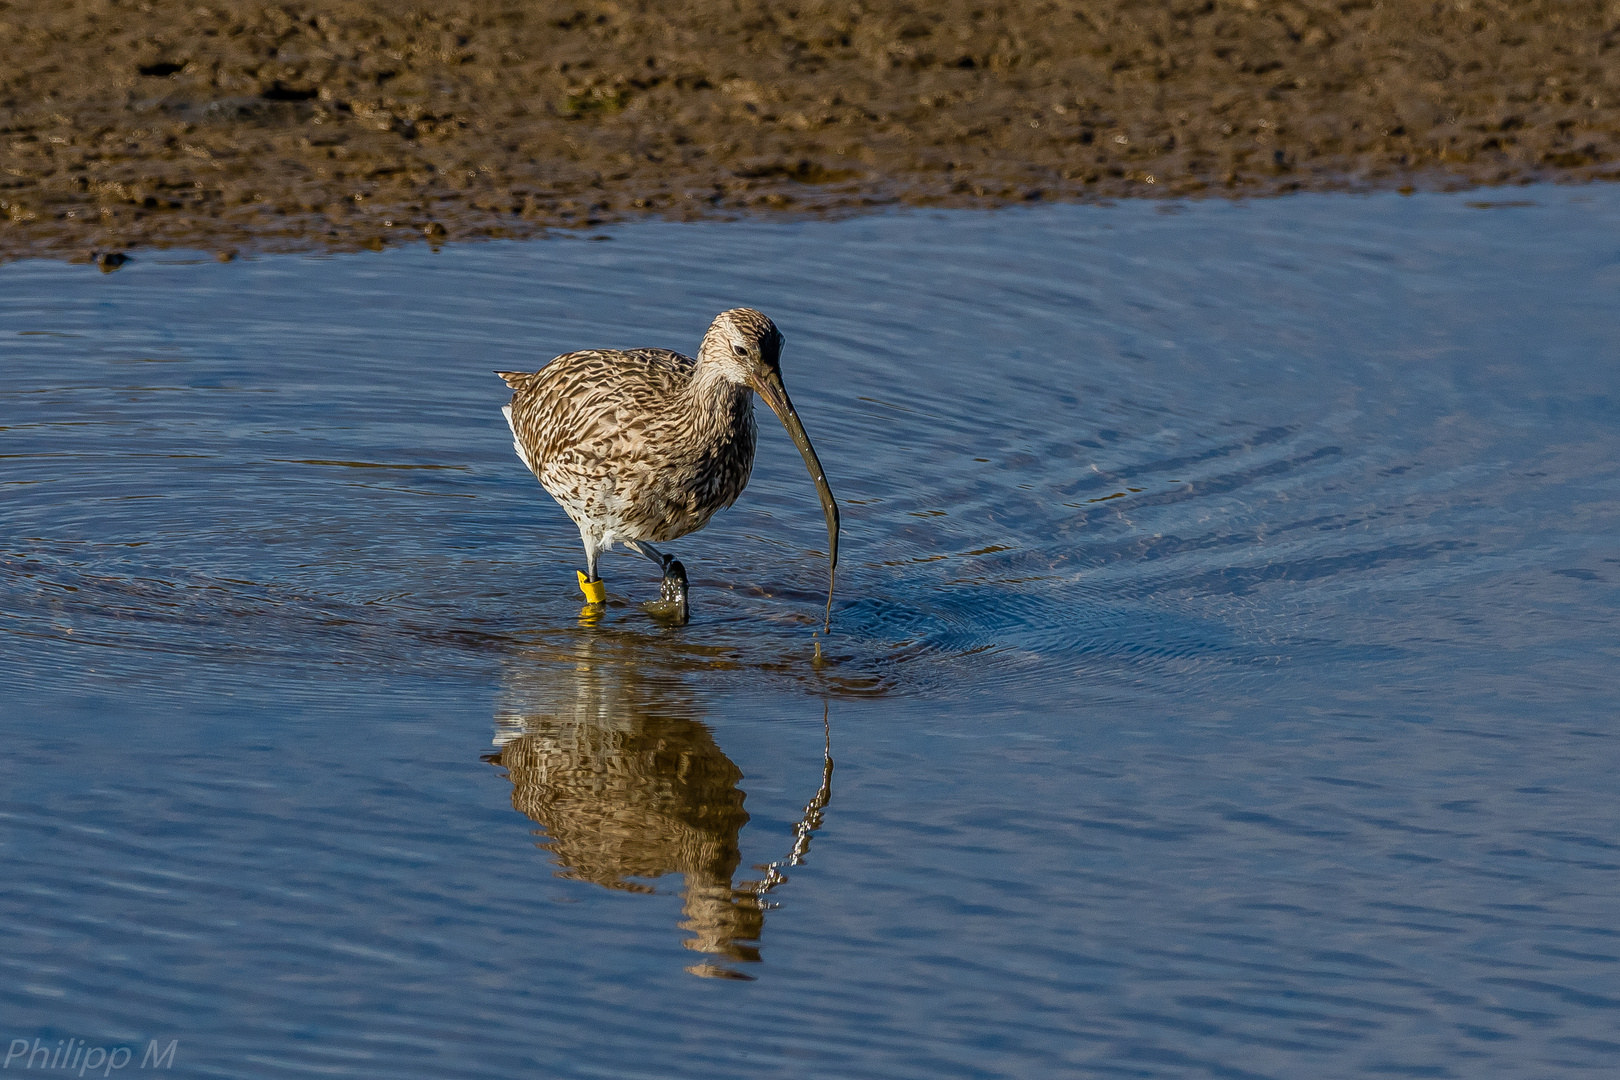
(739, 350)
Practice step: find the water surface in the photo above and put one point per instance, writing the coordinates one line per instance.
(1221, 680)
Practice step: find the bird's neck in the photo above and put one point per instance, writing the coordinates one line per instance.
(714, 397)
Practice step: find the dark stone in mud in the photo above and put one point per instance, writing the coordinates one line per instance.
(302, 124)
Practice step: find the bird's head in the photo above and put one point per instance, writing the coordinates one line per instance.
(746, 348)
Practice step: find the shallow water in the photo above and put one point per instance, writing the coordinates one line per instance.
(1221, 680)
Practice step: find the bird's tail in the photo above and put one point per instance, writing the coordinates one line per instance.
(517, 380)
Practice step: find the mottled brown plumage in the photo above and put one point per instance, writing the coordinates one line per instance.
(646, 445)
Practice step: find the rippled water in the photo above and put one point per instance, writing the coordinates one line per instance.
(1221, 682)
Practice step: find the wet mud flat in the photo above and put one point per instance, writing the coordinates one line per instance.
(233, 125)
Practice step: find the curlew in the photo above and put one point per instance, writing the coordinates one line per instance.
(643, 446)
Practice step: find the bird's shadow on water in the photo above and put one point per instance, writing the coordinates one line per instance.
(609, 755)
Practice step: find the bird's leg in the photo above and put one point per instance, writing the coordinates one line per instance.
(646, 550)
(592, 586)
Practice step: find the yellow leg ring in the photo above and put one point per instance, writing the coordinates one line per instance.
(595, 591)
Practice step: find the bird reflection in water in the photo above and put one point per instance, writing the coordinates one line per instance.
(608, 758)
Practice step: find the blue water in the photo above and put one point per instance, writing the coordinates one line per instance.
(1221, 684)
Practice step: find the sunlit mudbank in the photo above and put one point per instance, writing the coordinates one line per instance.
(629, 786)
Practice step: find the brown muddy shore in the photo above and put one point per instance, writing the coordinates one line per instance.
(227, 125)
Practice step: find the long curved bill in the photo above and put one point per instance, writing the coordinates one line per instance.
(769, 386)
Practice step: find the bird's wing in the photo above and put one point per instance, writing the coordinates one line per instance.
(597, 403)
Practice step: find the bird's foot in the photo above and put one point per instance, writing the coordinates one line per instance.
(671, 604)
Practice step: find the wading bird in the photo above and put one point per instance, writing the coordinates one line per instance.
(646, 445)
